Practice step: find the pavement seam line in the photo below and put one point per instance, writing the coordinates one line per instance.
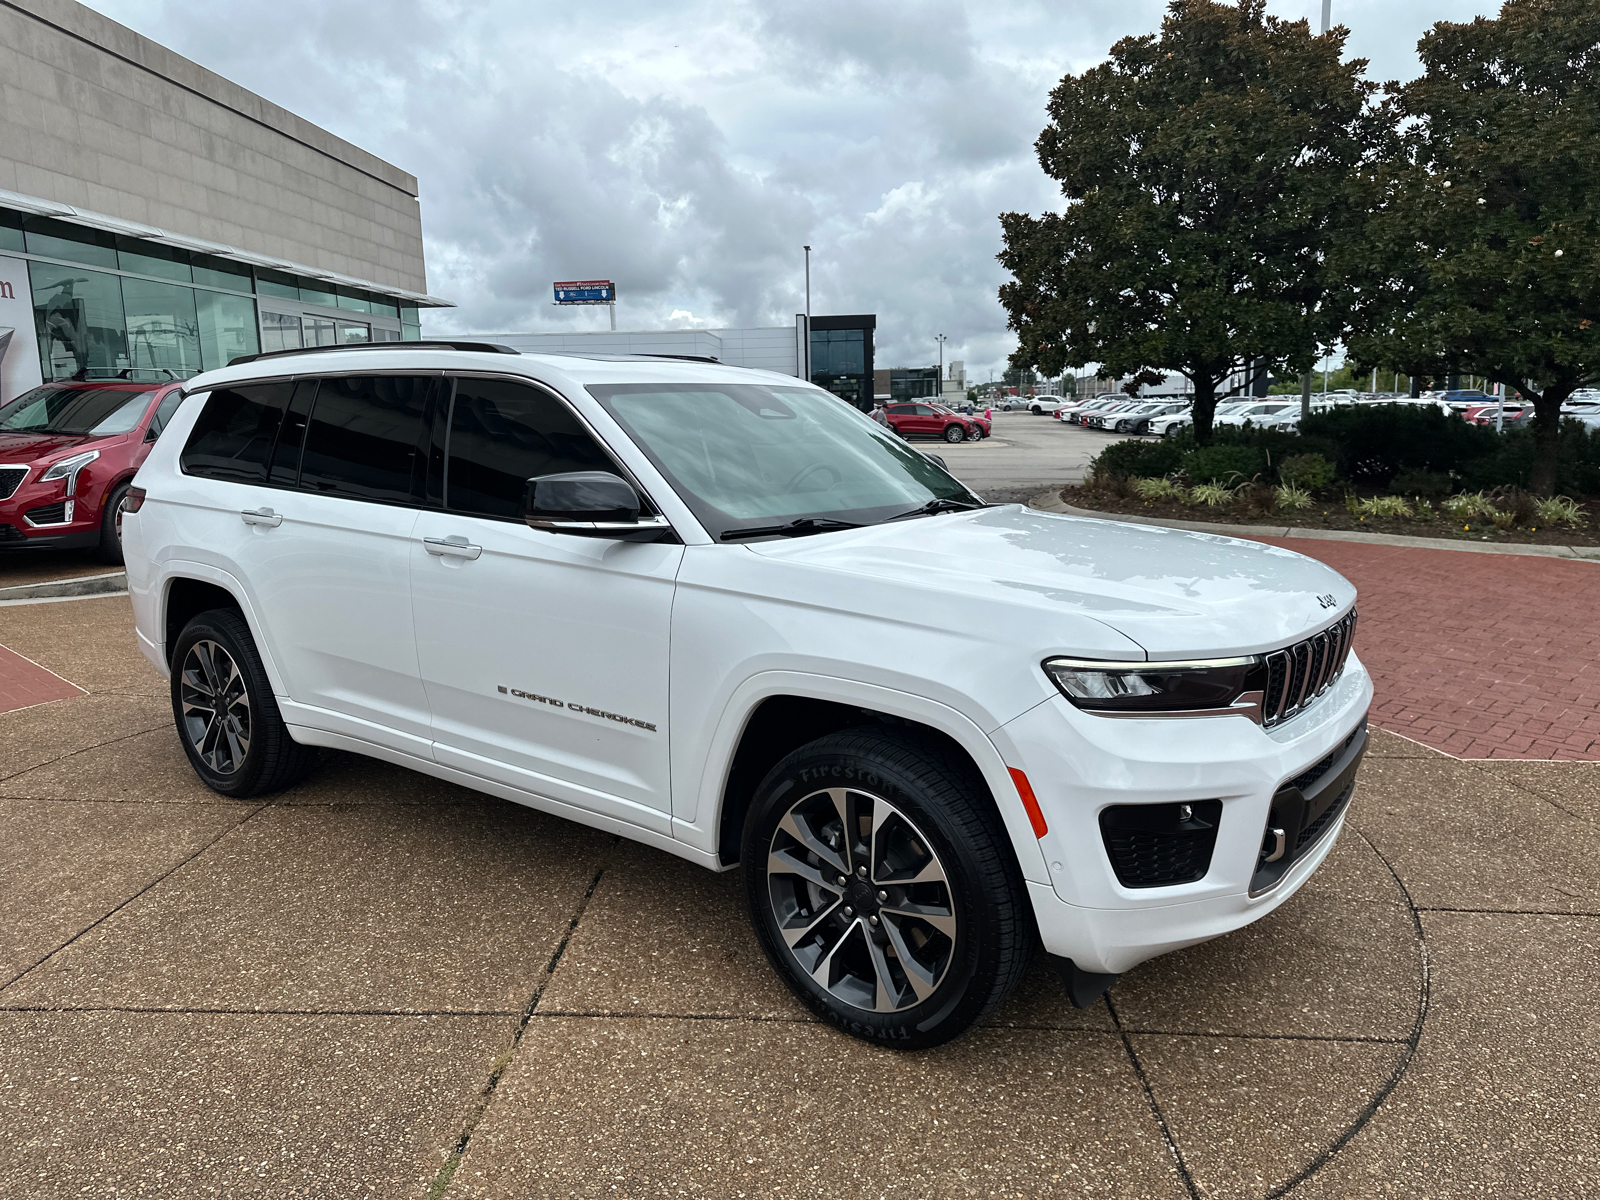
(1510, 912)
(1155, 1105)
(162, 878)
(502, 1064)
(50, 762)
(1477, 765)
(1402, 1064)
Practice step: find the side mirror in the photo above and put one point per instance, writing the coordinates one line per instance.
(588, 504)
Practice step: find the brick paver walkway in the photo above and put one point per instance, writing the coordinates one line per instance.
(24, 683)
(1478, 655)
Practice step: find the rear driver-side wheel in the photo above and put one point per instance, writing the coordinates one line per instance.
(954, 434)
(883, 887)
(228, 720)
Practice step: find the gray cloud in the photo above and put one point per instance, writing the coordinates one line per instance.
(688, 149)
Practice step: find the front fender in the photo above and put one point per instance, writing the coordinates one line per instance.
(698, 808)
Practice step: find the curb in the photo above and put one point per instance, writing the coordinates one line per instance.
(1050, 501)
(55, 589)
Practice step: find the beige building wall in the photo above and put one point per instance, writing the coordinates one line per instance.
(95, 116)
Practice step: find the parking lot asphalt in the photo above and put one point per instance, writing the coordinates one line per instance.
(380, 984)
(1023, 455)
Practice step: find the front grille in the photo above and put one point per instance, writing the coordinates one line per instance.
(10, 480)
(49, 514)
(10, 533)
(1298, 674)
(1160, 845)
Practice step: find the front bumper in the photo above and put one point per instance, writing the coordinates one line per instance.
(1080, 765)
(40, 515)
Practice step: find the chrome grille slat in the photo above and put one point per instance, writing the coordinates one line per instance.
(1309, 668)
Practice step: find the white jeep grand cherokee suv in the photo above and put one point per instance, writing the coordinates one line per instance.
(719, 612)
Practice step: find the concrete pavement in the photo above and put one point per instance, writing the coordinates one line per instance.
(378, 984)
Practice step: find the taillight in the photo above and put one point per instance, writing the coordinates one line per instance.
(134, 499)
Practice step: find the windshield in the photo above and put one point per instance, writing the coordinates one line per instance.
(100, 411)
(751, 455)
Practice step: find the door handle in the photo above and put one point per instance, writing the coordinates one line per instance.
(262, 516)
(454, 546)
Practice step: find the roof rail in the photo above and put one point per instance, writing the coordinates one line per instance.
(431, 344)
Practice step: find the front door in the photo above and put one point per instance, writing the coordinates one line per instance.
(544, 655)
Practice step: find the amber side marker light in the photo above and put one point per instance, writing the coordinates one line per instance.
(1029, 802)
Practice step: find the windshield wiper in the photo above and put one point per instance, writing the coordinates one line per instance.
(792, 529)
(938, 505)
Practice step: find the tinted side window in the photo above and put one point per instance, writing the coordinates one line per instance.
(501, 435)
(366, 437)
(232, 438)
(164, 410)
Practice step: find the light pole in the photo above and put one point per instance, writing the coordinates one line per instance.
(940, 338)
(808, 315)
(1305, 380)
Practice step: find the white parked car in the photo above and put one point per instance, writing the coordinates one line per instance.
(717, 611)
(1170, 424)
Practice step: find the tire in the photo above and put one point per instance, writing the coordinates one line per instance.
(954, 434)
(110, 548)
(250, 753)
(935, 816)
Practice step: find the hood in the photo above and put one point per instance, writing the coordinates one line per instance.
(1174, 592)
(31, 447)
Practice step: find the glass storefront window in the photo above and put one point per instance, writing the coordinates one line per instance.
(279, 331)
(410, 333)
(227, 328)
(311, 293)
(319, 331)
(163, 328)
(353, 331)
(10, 230)
(148, 258)
(220, 273)
(354, 301)
(75, 243)
(79, 318)
(838, 361)
(383, 308)
(274, 283)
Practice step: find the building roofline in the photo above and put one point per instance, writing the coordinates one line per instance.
(94, 220)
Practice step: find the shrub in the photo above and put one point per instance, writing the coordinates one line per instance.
(1384, 506)
(1157, 489)
(1558, 510)
(1137, 457)
(1377, 442)
(1293, 499)
(1412, 482)
(1306, 472)
(1220, 464)
(1109, 483)
(1255, 499)
(1213, 495)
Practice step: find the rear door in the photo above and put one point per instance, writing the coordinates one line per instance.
(323, 544)
(544, 655)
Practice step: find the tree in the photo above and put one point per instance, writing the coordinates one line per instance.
(1206, 174)
(1484, 228)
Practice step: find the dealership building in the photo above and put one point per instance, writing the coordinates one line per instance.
(156, 218)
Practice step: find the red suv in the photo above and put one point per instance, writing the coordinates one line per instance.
(68, 451)
(934, 420)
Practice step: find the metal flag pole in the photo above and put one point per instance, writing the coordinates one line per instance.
(1305, 380)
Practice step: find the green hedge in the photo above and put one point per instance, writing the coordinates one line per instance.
(1146, 460)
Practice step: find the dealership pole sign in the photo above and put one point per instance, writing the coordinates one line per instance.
(586, 291)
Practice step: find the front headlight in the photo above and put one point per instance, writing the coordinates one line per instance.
(68, 469)
(1200, 686)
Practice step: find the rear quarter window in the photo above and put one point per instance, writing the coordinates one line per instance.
(232, 438)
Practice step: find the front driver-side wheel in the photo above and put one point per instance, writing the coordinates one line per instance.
(228, 720)
(883, 887)
(110, 548)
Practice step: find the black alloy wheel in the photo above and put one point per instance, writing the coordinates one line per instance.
(883, 887)
(227, 717)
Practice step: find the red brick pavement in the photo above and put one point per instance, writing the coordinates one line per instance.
(24, 683)
(1478, 655)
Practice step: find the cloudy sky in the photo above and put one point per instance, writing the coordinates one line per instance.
(689, 148)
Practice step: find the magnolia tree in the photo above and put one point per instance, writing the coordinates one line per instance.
(1207, 174)
(1481, 252)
